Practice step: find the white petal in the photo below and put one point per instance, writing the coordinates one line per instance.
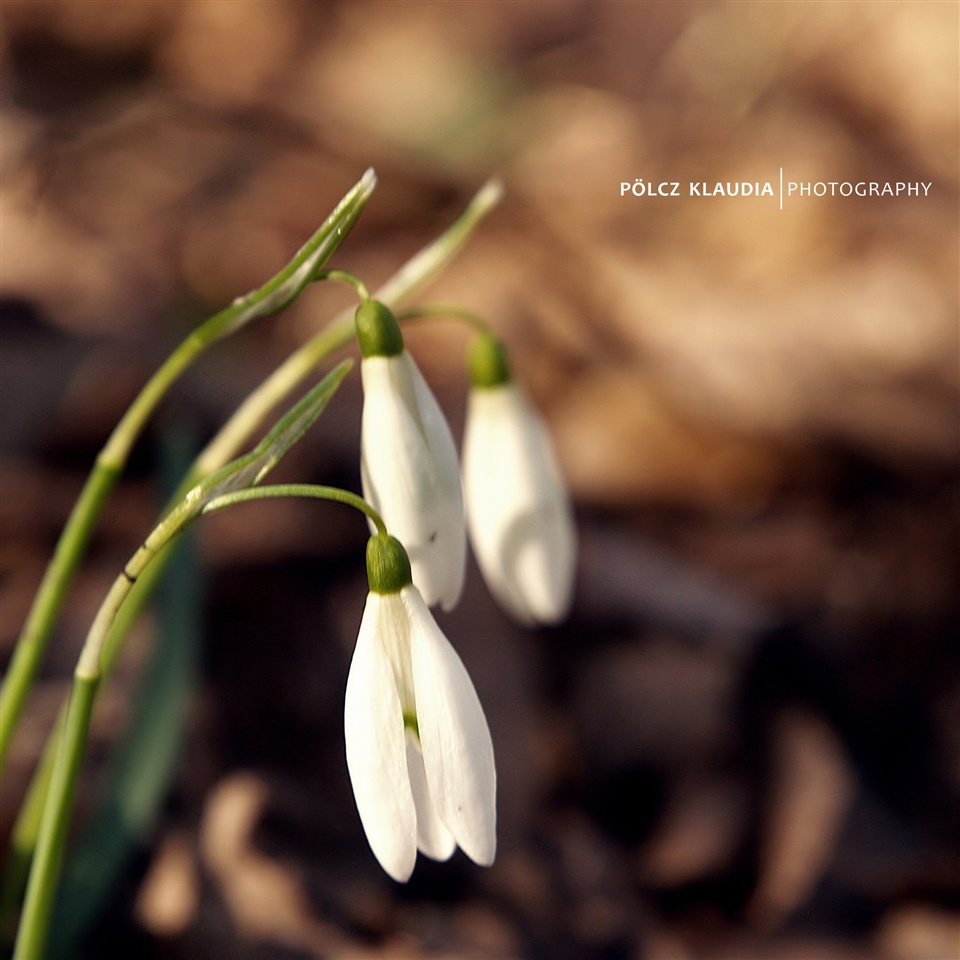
(450, 546)
(454, 738)
(433, 838)
(411, 474)
(376, 747)
(518, 513)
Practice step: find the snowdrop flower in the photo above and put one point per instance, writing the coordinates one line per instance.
(518, 513)
(408, 460)
(418, 748)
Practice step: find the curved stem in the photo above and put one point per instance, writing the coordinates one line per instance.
(312, 490)
(442, 311)
(351, 280)
(42, 885)
(49, 598)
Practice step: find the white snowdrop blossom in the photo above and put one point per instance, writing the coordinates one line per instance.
(518, 513)
(418, 748)
(410, 472)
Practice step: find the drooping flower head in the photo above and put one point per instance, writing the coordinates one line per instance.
(419, 751)
(408, 460)
(518, 513)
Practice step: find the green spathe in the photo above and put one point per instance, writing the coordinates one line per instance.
(388, 566)
(487, 361)
(377, 330)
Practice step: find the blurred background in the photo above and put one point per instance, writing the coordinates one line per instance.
(745, 743)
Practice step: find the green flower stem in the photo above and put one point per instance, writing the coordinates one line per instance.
(23, 838)
(344, 276)
(46, 605)
(442, 311)
(313, 490)
(137, 599)
(272, 297)
(89, 666)
(41, 888)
